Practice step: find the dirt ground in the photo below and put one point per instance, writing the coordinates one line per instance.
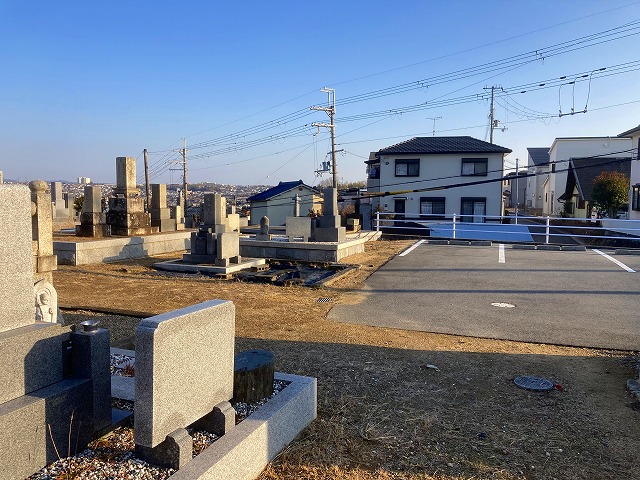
(382, 413)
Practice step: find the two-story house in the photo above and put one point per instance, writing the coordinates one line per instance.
(634, 201)
(538, 170)
(563, 150)
(423, 176)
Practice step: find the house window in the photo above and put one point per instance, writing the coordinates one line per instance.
(474, 166)
(635, 198)
(553, 167)
(432, 206)
(408, 168)
(473, 209)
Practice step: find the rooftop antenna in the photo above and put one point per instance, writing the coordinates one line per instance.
(434, 123)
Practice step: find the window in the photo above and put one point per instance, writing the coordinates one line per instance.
(432, 206)
(408, 168)
(635, 197)
(476, 208)
(474, 166)
(553, 168)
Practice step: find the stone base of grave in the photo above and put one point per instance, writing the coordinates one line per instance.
(207, 268)
(330, 234)
(93, 231)
(174, 452)
(279, 247)
(133, 231)
(165, 224)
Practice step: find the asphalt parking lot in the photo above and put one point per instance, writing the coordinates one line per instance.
(558, 297)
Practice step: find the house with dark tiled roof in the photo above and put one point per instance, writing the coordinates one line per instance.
(582, 172)
(538, 168)
(280, 202)
(423, 176)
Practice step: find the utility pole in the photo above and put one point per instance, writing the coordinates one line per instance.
(146, 178)
(331, 111)
(184, 171)
(494, 123)
(517, 192)
(434, 123)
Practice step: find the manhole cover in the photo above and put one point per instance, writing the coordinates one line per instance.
(536, 384)
(503, 305)
(324, 299)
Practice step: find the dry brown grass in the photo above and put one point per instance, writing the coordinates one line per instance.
(381, 414)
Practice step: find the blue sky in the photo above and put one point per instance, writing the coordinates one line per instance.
(85, 82)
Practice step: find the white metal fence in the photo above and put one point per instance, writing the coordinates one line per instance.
(510, 228)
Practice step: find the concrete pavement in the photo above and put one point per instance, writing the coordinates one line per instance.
(565, 298)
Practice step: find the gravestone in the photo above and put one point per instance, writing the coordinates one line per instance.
(126, 214)
(93, 222)
(179, 381)
(177, 215)
(297, 227)
(207, 244)
(264, 229)
(328, 227)
(1, 178)
(160, 214)
(39, 396)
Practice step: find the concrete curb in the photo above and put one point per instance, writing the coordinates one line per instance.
(243, 453)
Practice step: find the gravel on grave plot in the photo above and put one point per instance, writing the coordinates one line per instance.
(111, 457)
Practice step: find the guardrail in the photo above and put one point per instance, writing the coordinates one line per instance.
(510, 228)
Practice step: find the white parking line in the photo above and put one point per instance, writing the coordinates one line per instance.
(411, 248)
(617, 262)
(501, 253)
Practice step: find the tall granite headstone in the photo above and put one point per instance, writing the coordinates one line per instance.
(126, 214)
(93, 222)
(160, 214)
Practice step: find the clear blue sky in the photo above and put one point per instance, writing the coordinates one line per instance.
(85, 82)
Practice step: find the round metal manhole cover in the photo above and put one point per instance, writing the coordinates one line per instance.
(503, 305)
(536, 384)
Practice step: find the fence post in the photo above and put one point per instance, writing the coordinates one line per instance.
(377, 221)
(547, 230)
(454, 226)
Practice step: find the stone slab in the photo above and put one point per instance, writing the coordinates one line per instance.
(25, 443)
(160, 214)
(165, 224)
(242, 453)
(114, 249)
(298, 227)
(180, 266)
(330, 234)
(179, 356)
(125, 173)
(16, 262)
(92, 200)
(31, 358)
(158, 196)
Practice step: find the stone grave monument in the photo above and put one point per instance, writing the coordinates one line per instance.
(126, 214)
(62, 206)
(328, 227)
(160, 214)
(93, 222)
(56, 384)
(44, 261)
(214, 243)
(171, 348)
(264, 229)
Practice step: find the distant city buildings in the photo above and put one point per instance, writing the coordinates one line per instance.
(84, 180)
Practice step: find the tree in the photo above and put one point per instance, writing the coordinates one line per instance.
(610, 192)
(328, 182)
(77, 203)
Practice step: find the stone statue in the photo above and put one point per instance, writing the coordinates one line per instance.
(46, 302)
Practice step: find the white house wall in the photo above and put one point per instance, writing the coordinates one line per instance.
(635, 173)
(281, 206)
(564, 149)
(448, 168)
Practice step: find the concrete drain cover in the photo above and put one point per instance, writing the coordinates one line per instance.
(503, 305)
(324, 300)
(536, 384)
